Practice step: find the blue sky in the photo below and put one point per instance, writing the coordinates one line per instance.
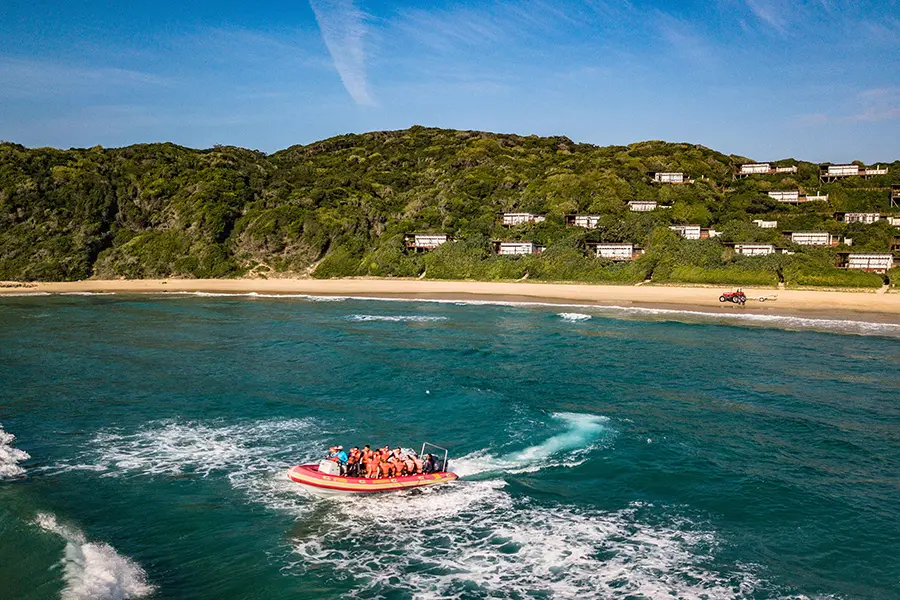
(811, 79)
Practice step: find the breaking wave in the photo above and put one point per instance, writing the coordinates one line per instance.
(842, 326)
(309, 297)
(10, 457)
(574, 316)
(396, 318)
(94, 570)
(23, 294)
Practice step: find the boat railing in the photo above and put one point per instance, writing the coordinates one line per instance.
(445, 466)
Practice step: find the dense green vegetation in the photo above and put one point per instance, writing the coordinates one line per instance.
(340, 207)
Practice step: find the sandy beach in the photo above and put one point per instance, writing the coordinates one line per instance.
(866, 305)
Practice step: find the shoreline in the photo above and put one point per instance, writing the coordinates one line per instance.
(862, 305)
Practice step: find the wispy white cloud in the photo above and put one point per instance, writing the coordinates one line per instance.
(26, 78)
(775, 13)
(684, 39)
(344, 30)
(875, 105)
(885, 30)
(505, 23)
(868, 106)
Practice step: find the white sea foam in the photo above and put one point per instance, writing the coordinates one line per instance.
(475, 539)
(567, 316)
(24, 294)
(310, 297)
(472, 538)
(94, 570)
(469, 538)
(87, 293)
(397, 318)
(843, 326)
(10, 457)
(253, 456)
(583, 433)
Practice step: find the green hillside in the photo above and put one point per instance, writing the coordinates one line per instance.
(340, 207)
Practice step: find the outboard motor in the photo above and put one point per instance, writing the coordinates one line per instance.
(329, 467)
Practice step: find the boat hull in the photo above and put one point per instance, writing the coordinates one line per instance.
(320, 484)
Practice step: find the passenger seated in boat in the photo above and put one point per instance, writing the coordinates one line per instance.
(353, 462)
(398, 461)
(382, 462)
(365, 457)
(386, 467)
(410, 465)
(372, 463)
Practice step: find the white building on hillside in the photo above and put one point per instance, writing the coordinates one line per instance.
(813, 238)
(765, 224)
(835, 172)
(787, 196)
(671, 177)
(688, 232)
(517, 248)
(875, 262)
(642, 205)
(754, 249)
(586, 221)
(511, 219)
(617, 252)
(421, 242)
(795, 197)
(858, 217)
(763, 169)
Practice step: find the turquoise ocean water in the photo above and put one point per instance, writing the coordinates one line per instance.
(605, 453)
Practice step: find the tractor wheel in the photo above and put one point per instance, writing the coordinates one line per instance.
(721, 298)
(735, 300)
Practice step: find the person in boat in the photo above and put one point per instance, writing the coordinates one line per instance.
(372, 462)
(428, 464)
(364, 457)
(388, 467)
(409, 465)
(337, 454)
(353, 462)
(403, 462)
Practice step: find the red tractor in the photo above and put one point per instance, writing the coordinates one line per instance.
(738, 297)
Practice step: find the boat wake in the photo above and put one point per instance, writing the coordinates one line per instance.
(581, 434)
(463, 540)
(10, 457)
(253, 456)
(94, 570)
(477, 540)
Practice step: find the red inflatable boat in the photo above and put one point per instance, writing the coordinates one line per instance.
(320, 484)
(329, 484)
